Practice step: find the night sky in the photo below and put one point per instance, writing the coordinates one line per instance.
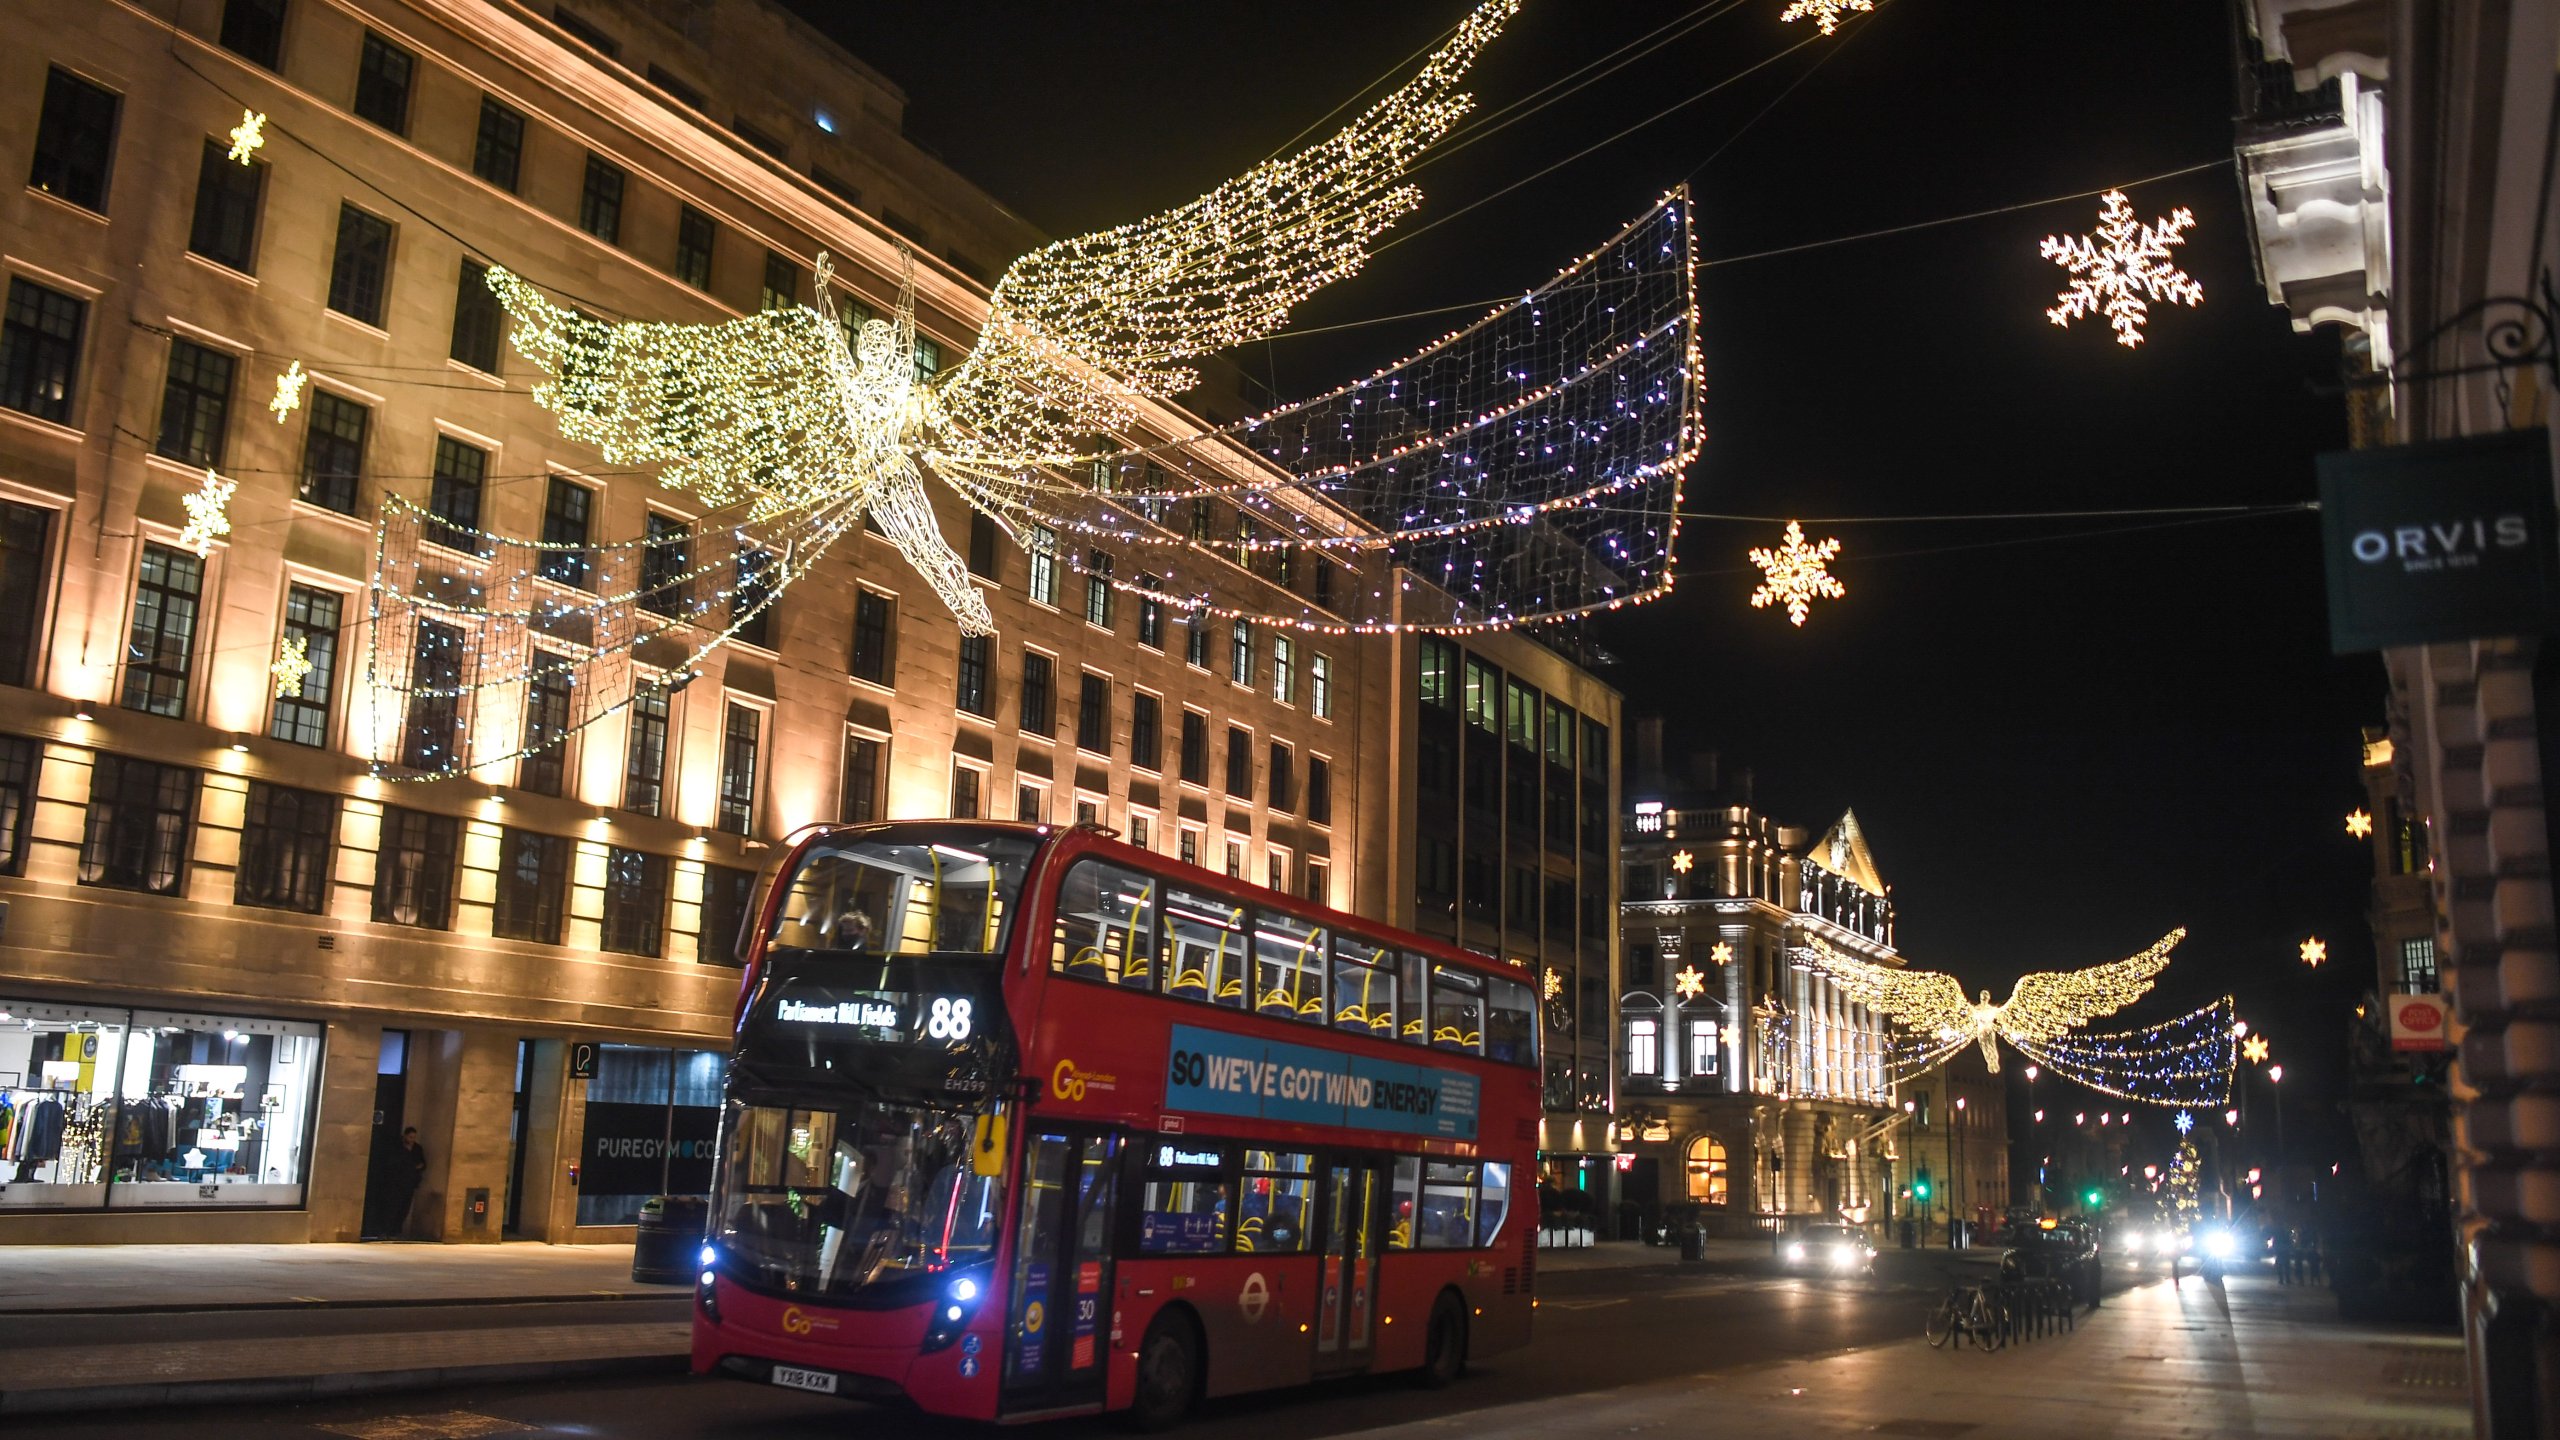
(2063, 737)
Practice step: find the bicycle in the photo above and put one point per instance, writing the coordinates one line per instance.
(1965, 1314)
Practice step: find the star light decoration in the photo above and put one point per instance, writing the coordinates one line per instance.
(1721, 953)
(1524, 467)
(1691, 982)
(1825, 13)
(1797, 574)
(208, 512)
(288, 398)
(2359, 824)
(248, 136)
(1683, 862)
(2254, 1049)
(2120, 269)
(293, 663)
(2314, 950)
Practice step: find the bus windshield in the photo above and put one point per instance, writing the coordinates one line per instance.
(904, 891)
(851, 1200)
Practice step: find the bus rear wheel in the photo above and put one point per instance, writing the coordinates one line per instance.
(1168, 1374)
(1444, 1357)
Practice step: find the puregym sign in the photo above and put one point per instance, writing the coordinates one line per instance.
(2445, 541)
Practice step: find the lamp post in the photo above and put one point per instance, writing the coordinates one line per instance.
(1955, 1163)
(1919, 1195)
(2275, 1092)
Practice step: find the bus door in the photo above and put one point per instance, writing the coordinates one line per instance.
(1347, 1284)
(1059, 1301)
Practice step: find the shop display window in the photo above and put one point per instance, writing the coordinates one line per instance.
(652, 1128)
(153, 1109)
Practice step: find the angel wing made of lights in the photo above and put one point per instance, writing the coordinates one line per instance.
(2043, 1007)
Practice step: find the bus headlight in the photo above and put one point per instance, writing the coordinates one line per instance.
(951, 1313)
(706, 1294)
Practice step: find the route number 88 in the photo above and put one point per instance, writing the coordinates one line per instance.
(948, 1019)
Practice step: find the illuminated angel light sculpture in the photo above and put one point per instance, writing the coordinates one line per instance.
(1454, 490)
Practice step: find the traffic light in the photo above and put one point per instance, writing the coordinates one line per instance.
(1920, 1186)
(2094, 1199)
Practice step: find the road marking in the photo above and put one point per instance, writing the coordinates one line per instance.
(1582, 1304)
(438, 1425)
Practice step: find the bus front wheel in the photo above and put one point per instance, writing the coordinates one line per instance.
(1168, 1374)
(1445, 1358)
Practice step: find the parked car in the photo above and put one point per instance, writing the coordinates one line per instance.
(1829, 1250)
(2067, 1252)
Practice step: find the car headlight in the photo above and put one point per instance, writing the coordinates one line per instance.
(1795, 1250)
(2220, 1245)
(1844, 1255)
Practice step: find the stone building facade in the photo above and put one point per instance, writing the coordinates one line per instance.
(235, 959)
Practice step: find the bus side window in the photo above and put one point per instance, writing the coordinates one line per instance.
(1457, 1010)
(1106, 925)
(1447, 1218)
(1204, 948)
(1364, 988)
(1403, 1198)
(1510, 1022)
(1494, 1203)
(1184, 1208)
(1278, 1205)
(1289, 967)
(1413, 1022)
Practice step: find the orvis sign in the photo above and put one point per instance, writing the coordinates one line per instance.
(2445, 541)
(1215, 1073)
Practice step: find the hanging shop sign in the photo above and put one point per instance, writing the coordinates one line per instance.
(2418, 1022)
(2449, 540)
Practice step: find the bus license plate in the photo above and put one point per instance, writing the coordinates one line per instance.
(792, 1377)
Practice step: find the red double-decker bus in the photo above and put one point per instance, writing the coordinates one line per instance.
(1027, 1122)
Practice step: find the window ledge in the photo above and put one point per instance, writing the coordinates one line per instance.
(228, 272)
(54, 429)
(352, 323)
(71, 207)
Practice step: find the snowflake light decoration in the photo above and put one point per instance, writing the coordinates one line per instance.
(1825, 13)
(1721, 953)
(2184, 1121)
(2120, 269)
(1683, 862)
(248, 135)
(2359, 824)
(1798, 574)
(208, 513)
(2314, 950)
(293, 663)
(2254, 1049)
(288, 392)
(1691, 982)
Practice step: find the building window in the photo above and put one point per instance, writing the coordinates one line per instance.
(871, 612)
(644, 760)
(1709, 1184)
(1093, 715)
(160, 653)
(360, 272)
(751, 603)
(2418, 966)
(1320, 686)
(1044, 565)
(1275, 870)
(1239, 762)
(431, 735)
(677, 90)
(1150, 614)
(1142, 830)
(635, 902)
(757, 138)
(333, 451)
(286, 840)
(195, 404)
(1644, 1047)
(1483, 696)
(1088, 811)
(1284, 777)
(1195, 747)
(1039, 695)
(40, 350)
(964, 793)
(1146, 731)
(1097, 590)
(974, 690)
(1319, 790)
(453, 495)
(566, 510)
(586, 31)
(1187, 845)
(836, 185)
(694, 235)
(383, 73)
(1521, 711)
(1196, 639)
(25, 533)
(781, 282)
(862, 765)
(1439, 673)
(75, 141)
(254, 31)
(310, 616)
(1706, 1056)
(1324, 581)
(600, 200)
(413, 869)
(1320, 882)
(1235, 859)
(545, 767)
(1436, 868)
(928, 359)
(497, 152)
(478, 321)
(662, 566)
(1030, 803)
(728, 903)
(1240, 654)
(225, 229)
(738, 740)
(533, 886)
(138, 821)
(982, 544)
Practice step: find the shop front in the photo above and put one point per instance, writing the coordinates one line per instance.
(651, 1127)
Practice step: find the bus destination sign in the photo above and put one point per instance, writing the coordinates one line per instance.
(1212, 1072)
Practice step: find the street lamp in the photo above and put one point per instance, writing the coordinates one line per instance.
(1955, 1163)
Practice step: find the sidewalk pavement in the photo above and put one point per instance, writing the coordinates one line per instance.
(103, 1327)
(2248, 1360)
(1633, 1254)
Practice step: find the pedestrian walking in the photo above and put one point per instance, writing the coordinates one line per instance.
(2282, 1239)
